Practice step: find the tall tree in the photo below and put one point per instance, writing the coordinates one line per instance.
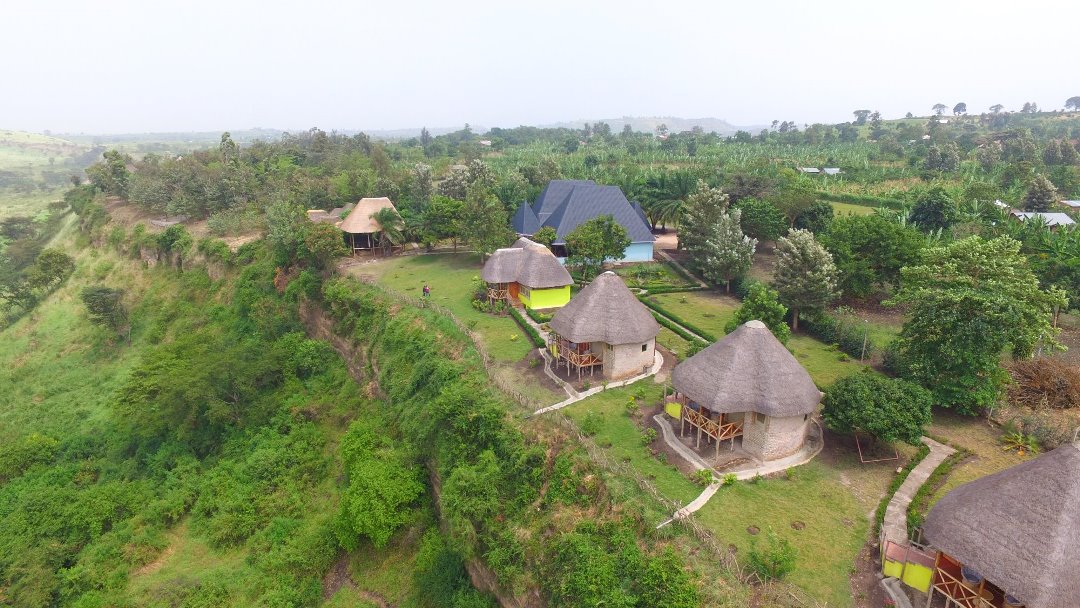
(805, 275)
(727, 253)
(701, 214)
(484, 222)
(793, 199)
(761, 219)
(970, 302)
(762, 304)
(593, 242)
(1073, 103)
(996, 108)
(960, 108)
(869, 252)
(939, 108)
(887, 409)
(934, 210)
(1041, 195)
(861, 116)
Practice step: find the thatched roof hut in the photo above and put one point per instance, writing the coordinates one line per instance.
(749, 370)
(527, 263)
(1020, 528)
(359, 220)
(605, 311)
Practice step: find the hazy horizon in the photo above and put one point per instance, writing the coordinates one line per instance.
(126, 67)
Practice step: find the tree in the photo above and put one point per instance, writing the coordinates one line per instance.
(934, 210)
(805, 275)
(104, 306)
(816, 218)
(441, 220)
(861, 116)
(50, 269)
(888, 409)
(701, 214)
(939, 108)
(391, 228)
(762, 304)
(111, 175)
(793, 200)
(997, 108)
(545, 236)
(324, 244)
(761, 219)
(286, 224)
(1041, 195)
(484, 222)
(869, 251)
(960, 108)
(594, 241)
(1030, 107)
(727, 253)
(1073, 103)
(970, 302)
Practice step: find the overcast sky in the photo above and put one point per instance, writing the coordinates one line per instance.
(107, 66)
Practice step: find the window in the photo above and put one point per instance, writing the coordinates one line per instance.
(806, 417)
(759, 418)
(644, 347)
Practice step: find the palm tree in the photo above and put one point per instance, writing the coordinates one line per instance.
(393, 228)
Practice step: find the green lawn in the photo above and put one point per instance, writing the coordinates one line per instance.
(452, 278)
(711, 311)
(816, 496)
(623, 436)
(849, 209)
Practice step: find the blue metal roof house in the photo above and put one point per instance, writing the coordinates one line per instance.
(566, 204)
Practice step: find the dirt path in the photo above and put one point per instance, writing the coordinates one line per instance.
(339, 577)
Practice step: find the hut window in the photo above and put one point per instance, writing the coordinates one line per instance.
(805, 417)
(759, 418)
(644, 347)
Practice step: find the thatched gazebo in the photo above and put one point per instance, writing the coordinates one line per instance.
(1011, 538)
(362, 229)
(604, 326)
(529, 273)
(747, 385)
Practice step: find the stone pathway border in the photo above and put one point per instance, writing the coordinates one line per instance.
(895, 527)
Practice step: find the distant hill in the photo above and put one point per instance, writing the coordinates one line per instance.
(648, 124)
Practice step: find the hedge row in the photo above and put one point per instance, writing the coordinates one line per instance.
(539, 317)
(879, 515)
(663, 311)
(832, 330)
(682, 333)
(529, 329)
(658, 290)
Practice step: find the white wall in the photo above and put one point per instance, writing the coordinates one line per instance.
(625, 360)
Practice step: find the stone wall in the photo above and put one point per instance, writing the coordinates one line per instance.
(623, 361)
(774, 438)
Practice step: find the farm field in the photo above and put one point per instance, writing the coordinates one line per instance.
(849, 209)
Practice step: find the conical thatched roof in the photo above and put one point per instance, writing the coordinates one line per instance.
(1019, 528)
(359, 220)
(528, 263)
(605, 311)
(749, 370)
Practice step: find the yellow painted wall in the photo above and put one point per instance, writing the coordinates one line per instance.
(544, 298)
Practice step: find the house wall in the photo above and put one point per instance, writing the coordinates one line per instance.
(774, 438)
(636, 252)
(554, 297)
(625, 360)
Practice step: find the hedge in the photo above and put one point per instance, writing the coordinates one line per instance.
(865, 200)
(539, 317)
(879, 515)
(663, 311)
(682, 333)
(832, 330)
(658, 290)
(529, 329)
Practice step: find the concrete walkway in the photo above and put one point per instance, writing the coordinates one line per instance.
(658, 362)
(895, 527)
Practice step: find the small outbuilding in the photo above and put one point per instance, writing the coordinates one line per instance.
(747, 385)
(604, 326)
(1053, 220)
(1011, 539)
(528, 273)
(361, 229)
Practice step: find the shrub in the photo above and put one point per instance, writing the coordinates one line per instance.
(850, 337)
(702, 477)
(773, 561)
(730, 479)
(631, 407)
(648, 436)
(761, 304)
(887, 408)
(591, 423)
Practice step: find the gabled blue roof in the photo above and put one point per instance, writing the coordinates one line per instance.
(579, 202)
(524, 221)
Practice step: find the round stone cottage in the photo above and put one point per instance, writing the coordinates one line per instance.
(748, 384)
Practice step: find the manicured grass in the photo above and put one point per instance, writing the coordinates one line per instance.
(673, 342)
(623, 436)
(983, 440)
(849, 209)
(712, 311)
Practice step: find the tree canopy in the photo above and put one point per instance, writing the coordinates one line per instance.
(869, 252)
(762, 304)
(888, 409)
(593, 242)
(805, 276)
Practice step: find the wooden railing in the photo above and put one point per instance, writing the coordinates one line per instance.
(959, 592)
(495, 294)
(712, 428)
(581, 359)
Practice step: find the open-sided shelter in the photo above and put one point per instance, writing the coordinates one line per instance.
(604, 326)
(747, 385)
(361, 229)
(1012, 538)
(529, 273)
